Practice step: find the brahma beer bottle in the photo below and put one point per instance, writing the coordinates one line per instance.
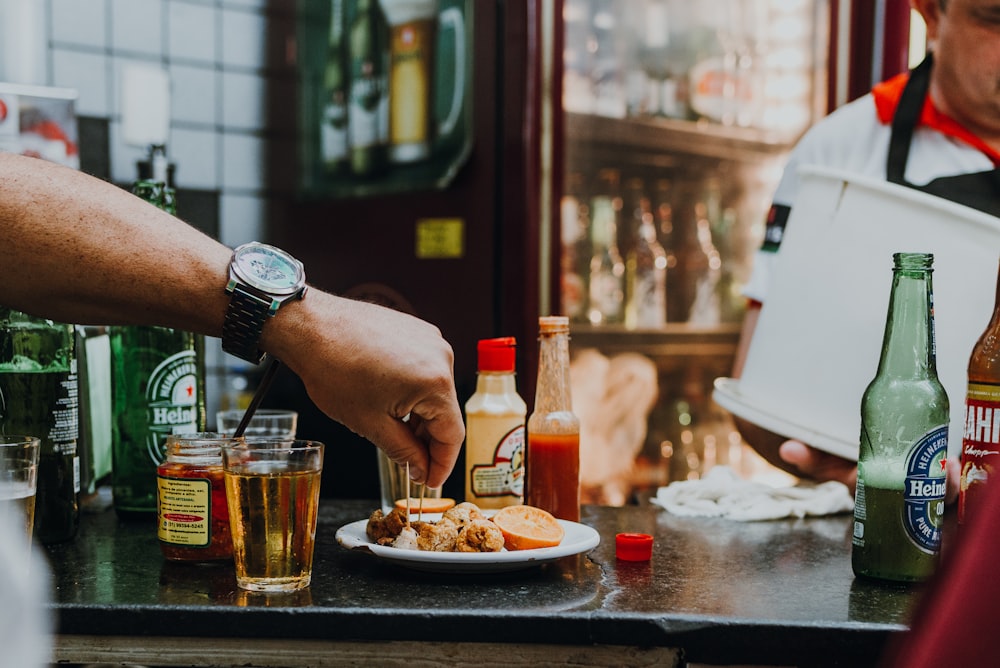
(39, 397)
(981, 442)
(899, 503)
(158, 389)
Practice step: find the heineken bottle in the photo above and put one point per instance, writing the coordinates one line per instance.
(38, 397)
(368, 104)
(158, 389)
(899, 502)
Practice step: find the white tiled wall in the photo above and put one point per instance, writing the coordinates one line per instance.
(225, 60)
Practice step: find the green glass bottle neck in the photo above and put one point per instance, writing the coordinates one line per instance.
(908, 348)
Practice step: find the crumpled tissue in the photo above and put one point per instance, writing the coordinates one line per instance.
(722, 493)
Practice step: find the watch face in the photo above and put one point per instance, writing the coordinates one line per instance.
(268, 268)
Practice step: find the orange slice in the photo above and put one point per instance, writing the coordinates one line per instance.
(527, 527)
(430, 505)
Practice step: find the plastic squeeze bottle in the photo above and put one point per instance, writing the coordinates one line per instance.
(494, 442)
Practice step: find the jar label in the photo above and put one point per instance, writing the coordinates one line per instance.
(924, 489)
(504, 476)
(184, 511)
(980, 442)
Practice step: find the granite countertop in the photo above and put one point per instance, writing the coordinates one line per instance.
(778, 592)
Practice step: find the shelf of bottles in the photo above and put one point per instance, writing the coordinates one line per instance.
(678, 117)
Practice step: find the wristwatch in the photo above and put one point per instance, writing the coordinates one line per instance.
(262, 279)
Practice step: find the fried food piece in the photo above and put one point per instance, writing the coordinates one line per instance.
(381, 526)
(438, 537)
(407, 539)
(463, 513)
(479, 535)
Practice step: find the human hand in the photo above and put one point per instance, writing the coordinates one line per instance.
(815, 464)
(385, 375)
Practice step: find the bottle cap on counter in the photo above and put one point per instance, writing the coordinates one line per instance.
(634, 546)
(497, 354)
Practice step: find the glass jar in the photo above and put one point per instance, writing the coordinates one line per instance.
(191, 511)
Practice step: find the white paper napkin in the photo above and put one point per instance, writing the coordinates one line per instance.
(722, 493)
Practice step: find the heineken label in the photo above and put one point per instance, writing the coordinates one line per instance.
(924, 489)
(172, 401)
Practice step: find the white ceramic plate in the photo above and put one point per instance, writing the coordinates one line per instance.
(579, 538)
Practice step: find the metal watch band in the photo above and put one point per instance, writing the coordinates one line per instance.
(244, 321)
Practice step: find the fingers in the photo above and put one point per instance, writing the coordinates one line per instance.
(430, 446)
(818, 465)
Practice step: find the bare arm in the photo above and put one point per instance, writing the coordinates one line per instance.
(81, 250)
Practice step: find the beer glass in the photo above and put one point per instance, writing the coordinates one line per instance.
(395, 485)
(265, 422)
(272, 492)
(19, 480)
(413, 46)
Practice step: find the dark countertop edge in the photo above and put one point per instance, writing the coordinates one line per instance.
(706, 639)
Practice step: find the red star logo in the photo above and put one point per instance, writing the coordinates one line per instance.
(190, 390)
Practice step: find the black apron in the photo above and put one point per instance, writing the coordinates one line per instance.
(978, 190)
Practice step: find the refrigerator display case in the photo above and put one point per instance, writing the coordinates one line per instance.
(675, 121)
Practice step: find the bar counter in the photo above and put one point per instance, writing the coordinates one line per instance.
(715, 592)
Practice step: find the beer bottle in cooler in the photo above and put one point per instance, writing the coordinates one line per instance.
(494, 442)
(645, 269)
(333, 121)
(553, 463)
(899, 502)
(39, 396)
(158, 389)
(607, 268)
(368, 100)
(981, 441)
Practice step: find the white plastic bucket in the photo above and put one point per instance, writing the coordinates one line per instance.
(819, 334)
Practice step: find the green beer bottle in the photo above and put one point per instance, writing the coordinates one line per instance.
(899, 503)
(368, 102)
(158, 389)
(39, 397)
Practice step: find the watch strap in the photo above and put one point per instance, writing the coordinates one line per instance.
(244, 321)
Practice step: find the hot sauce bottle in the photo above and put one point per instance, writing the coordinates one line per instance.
(191, 511)
(553, 461)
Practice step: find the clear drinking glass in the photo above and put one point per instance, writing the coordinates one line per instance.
(265, 423)
(272, 492)
(19, 480)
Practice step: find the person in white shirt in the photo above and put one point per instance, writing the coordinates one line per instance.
(936, 129)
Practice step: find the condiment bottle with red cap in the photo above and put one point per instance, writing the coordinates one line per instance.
(494, 430)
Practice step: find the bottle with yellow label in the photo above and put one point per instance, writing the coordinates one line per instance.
(494, 442)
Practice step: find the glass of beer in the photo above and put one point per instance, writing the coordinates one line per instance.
(272, 491)
(18, 480)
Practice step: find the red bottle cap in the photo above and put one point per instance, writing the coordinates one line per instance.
(497, 354)
(634, 546)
